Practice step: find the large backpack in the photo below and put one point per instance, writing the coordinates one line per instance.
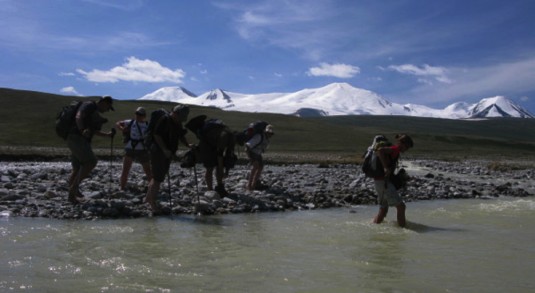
(257, 127)
(65, 119)
(372, 166)
(155, 118)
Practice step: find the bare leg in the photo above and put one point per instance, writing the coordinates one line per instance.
(208, 177)
(255, 175)
(81, 174)
(219, 172)
(383, 211)
(252, 175)
(402, 222)
(152, 192)
(146, 169)
(73, 176)
(127, 164)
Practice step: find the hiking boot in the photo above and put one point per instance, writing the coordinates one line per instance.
(220, 189)
(76, 200)
(79, 194)
(75, 196)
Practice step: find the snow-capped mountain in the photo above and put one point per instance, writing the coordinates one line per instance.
(498, 106)
(169, 94)
(336, 99)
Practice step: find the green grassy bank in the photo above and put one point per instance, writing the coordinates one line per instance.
(28, 118)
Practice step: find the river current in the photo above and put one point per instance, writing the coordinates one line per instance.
(449, 246)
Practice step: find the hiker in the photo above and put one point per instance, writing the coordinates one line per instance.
(87, 123)
(254, 148)
(386, 191)
(167, 133)
(134, 131)
(215, 150)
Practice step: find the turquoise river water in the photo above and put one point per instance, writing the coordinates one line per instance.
(449, 246)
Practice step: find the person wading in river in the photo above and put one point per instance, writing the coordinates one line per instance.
(386, 191)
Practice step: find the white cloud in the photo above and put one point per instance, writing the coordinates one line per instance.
(70, 90)
(135, 70)
(437, 73)
(524, 98)
(336, 70)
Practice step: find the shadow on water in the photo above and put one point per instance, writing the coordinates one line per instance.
(422, 228)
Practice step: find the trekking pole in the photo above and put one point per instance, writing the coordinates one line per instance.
(196, 182)
(198, 204)
(169, 189)
(111, 155)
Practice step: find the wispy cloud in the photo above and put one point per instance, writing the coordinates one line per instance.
(121, 5)
(335, 70)
(297, 25)
(135, 70)
(424, 72)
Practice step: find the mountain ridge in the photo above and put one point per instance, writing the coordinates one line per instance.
(337, 99)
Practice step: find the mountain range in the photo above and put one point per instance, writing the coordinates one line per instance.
(336, 99)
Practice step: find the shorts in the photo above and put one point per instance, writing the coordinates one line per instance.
(207, 155)
(81, 151)
(213, 145)
(387, 196)
(141, 156)
(254, 157)
(159, 164)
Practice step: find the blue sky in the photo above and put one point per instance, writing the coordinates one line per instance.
(427, 52)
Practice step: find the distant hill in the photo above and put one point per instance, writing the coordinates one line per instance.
(28, 121)
(334, 100)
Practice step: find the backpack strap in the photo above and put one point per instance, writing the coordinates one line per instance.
(136, 141)
(133, 142)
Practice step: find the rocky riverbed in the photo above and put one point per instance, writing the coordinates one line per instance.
(39, 189)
